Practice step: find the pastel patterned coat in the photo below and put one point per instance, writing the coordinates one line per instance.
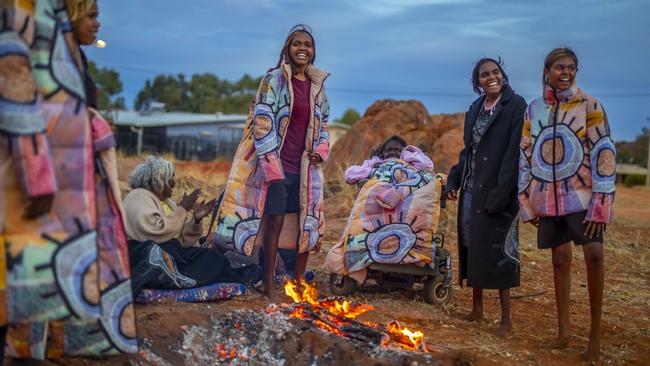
(568, 159)
(64, 286)
(257, 163)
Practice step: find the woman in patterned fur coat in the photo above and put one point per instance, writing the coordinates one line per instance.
(566, 184)
(277, 168)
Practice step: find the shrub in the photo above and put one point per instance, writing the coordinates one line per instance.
(634, 180)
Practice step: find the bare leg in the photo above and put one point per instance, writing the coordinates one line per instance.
(477, 306)
(562, 257)
(594, 260)
(301, 265)
(506, 325)
(3, 338)
(270, 227)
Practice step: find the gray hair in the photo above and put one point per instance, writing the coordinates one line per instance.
(152, 174)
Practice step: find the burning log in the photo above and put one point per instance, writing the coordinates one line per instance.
(336, 316)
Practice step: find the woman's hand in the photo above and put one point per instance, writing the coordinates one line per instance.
(315, 159)
(203, 209)
(594, 229)
(534, 222)
(452, 195)
(38, 206)
(188, 201)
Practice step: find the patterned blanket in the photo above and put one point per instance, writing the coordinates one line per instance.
(215, 291)
(392, 221)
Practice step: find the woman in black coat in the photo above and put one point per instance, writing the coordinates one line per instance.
(486, 175)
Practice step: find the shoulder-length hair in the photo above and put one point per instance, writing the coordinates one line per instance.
(499, 62)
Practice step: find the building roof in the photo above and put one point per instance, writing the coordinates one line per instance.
(159, 118)
(340, 125)
(630, 169)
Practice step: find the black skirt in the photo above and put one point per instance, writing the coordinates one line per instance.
(170, 266)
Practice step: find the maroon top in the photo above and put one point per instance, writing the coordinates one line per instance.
(294, 141)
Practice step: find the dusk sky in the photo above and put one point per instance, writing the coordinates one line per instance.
(400, 49)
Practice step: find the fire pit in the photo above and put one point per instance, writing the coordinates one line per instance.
(310, 331)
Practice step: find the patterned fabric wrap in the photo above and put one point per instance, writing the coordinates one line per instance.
(257, 162)
(55, 284)
(216, 291)
(568, 159)
(401, 232)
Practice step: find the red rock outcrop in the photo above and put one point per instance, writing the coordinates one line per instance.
(440, 135)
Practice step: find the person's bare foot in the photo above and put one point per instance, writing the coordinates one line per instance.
(474, 316)
(504, 329)
(592, 353)
(557, 343)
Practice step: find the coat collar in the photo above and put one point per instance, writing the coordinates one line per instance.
(506, 94)
(316, 75)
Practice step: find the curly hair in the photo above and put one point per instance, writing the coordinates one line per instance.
(380, 150)
(152, 174)
(477, 66)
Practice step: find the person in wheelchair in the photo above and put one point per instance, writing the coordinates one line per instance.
(394, 215)
(394, 147)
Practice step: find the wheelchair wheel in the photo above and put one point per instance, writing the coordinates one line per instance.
(434, 291)
(342, 285)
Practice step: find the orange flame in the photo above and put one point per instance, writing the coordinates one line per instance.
(405, 336)
(331, 312)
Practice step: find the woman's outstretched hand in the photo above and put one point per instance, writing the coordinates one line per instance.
(188, 201)
(203, 209)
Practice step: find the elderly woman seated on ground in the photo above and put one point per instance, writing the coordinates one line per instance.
(163, 234)
(394, 214)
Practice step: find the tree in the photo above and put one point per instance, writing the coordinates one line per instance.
(350, 116)
(634, 152)
(109, 85)
(203, 93)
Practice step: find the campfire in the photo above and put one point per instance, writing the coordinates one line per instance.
(338, 316)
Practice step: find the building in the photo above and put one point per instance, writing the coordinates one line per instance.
(189, 136)
(336, 130)
(623, 170)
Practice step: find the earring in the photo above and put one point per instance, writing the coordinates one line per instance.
(545, 79)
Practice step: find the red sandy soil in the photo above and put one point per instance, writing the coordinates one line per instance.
(626, 315)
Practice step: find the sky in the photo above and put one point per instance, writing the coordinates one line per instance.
(398, 49)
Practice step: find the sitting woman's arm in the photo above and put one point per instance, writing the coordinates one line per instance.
(416, 158)
(145, 219)
(356, 173)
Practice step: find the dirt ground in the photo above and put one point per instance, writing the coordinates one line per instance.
(626, 310)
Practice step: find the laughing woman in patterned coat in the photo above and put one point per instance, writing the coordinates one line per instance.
(486, 175)
(566, 184)
(277, 168)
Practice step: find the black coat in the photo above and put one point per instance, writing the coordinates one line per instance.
(492, 258)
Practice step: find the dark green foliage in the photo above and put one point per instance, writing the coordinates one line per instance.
(203, 93)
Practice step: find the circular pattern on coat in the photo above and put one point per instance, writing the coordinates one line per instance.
(382, 246)
(568, 158)
(244, 235)
(311, 230)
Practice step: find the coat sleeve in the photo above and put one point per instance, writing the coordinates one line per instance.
(21, 119)
(191, 232)
(417, 158)
(525, 177)
(603, 164)
(323, 144)
(356, 173)
(455, 173)
(265, 129)
(145, 220)
(499, 196)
